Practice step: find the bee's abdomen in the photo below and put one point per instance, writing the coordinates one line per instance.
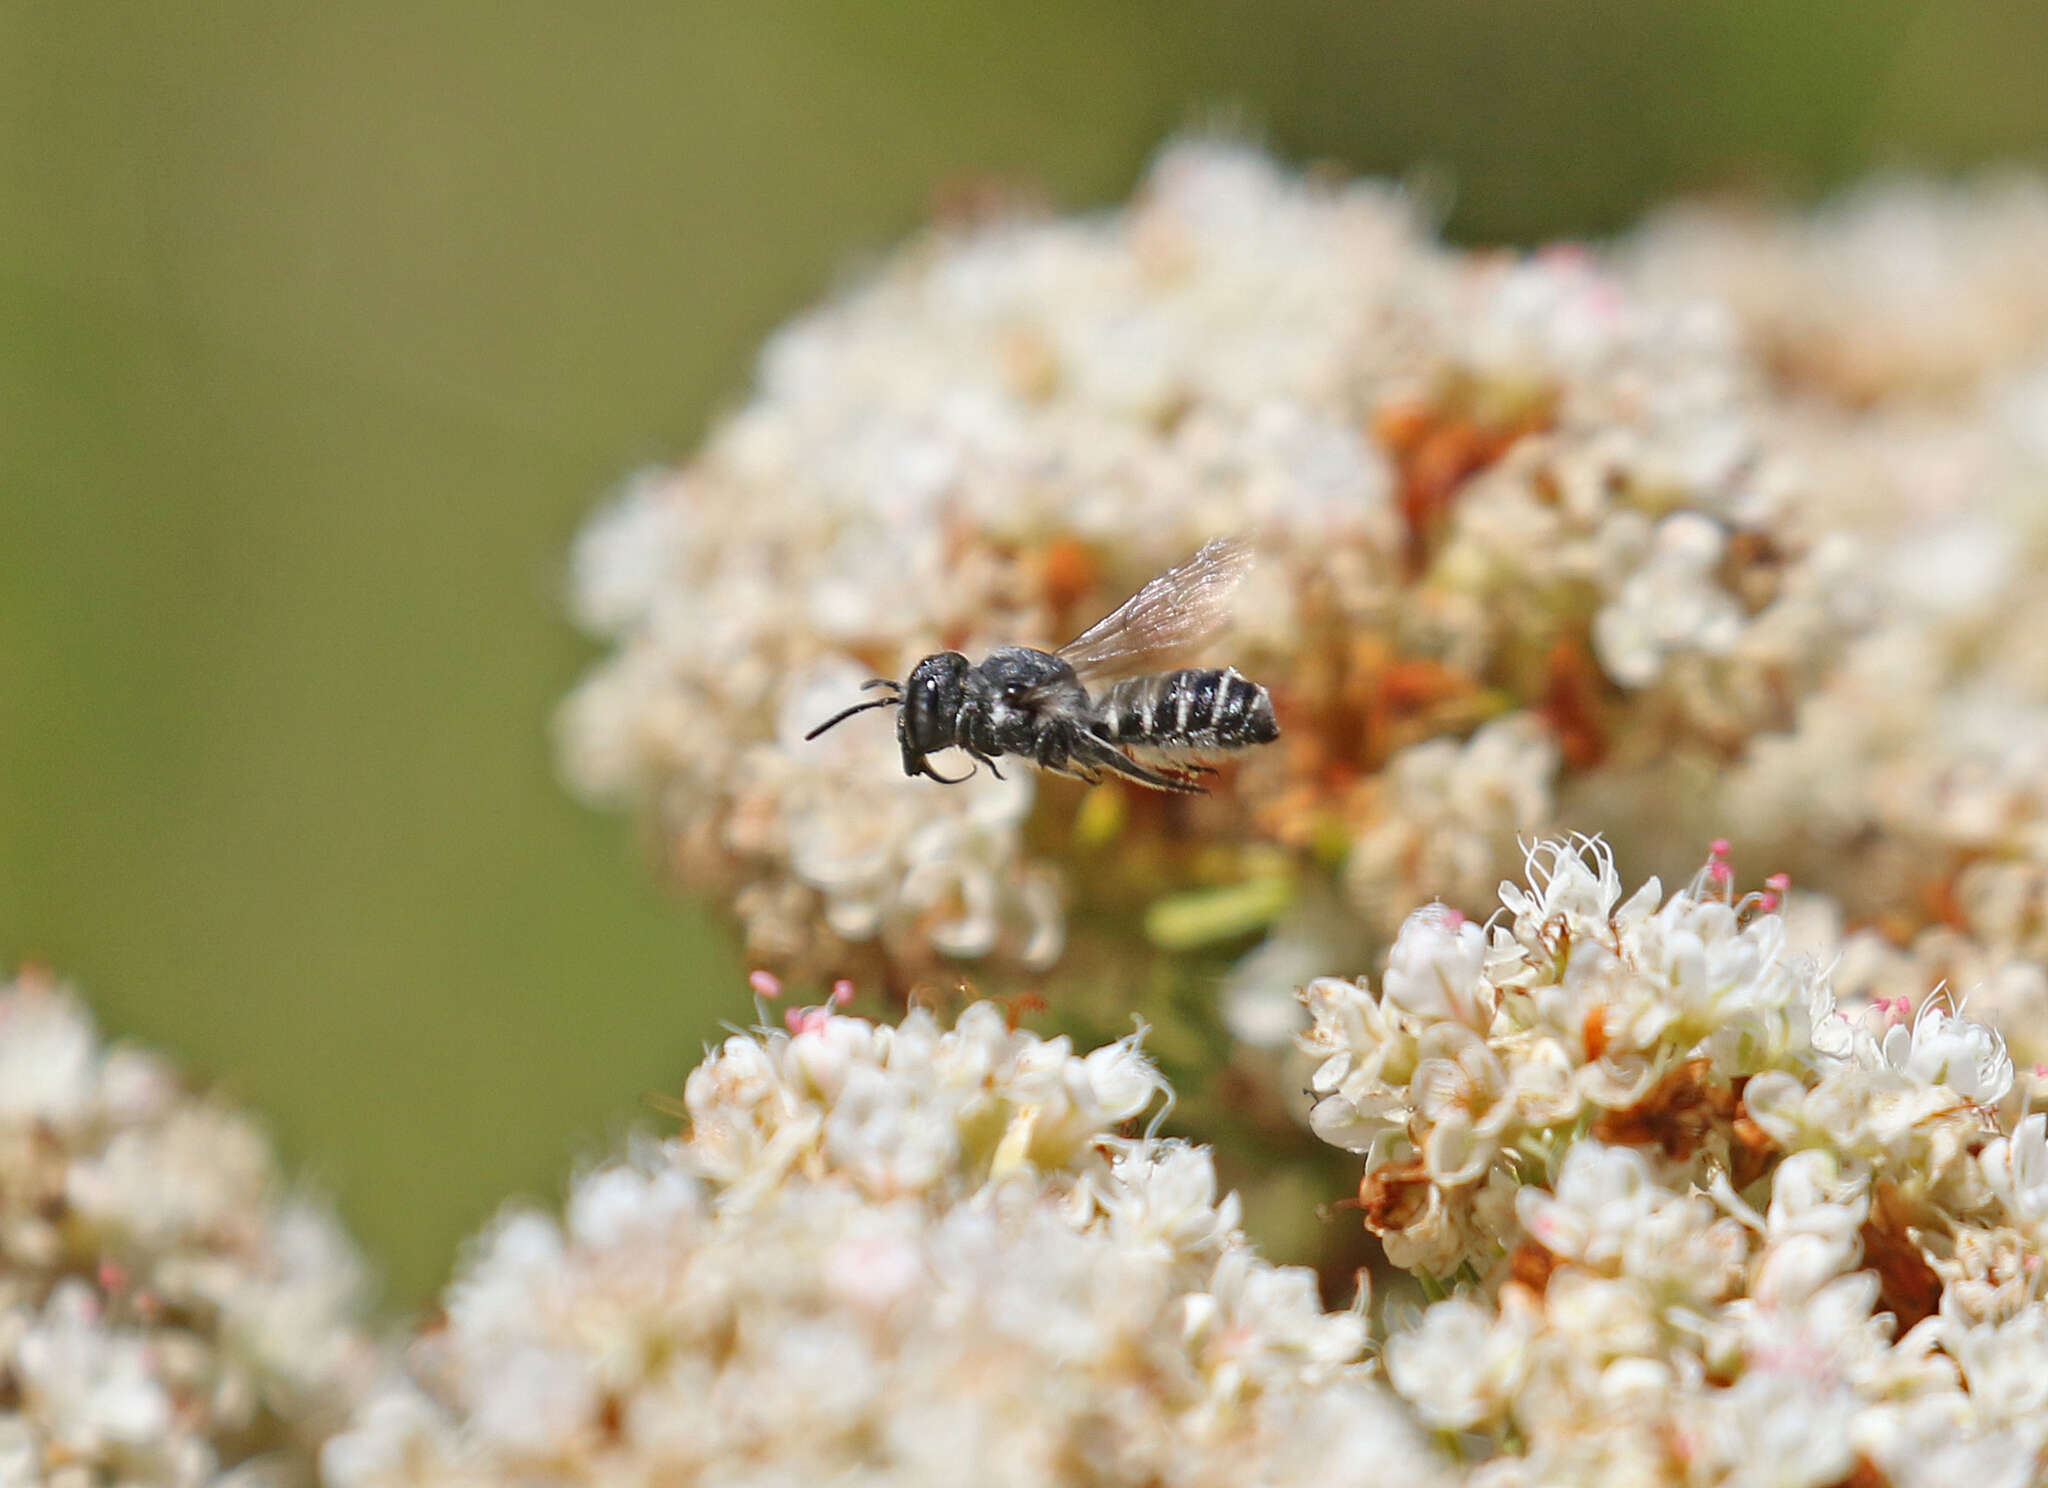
(1194, 710)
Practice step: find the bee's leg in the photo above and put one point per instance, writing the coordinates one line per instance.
(1066, 764)
(1053, 750)
(1057, 755)
(1074, 770)
(982, 757)
(1100, 752)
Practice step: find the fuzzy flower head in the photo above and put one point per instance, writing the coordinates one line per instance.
(1513, 524)
(170, 1312)
(904, 1254)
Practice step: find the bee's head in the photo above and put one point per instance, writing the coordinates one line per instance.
(932, 699)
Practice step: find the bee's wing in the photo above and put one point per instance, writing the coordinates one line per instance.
(1167, 618)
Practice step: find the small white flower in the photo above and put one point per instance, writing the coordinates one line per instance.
(621, 1202)
(1568, 881)
(624, 557)
(1461, 1090)
(1165, 1193)
(1544, 1090)
(94, 1387)
(1781, 1431)
(2002, 1366)
(1811, 1195)
(1776, 1100)
(1602, 1193)
(1461, 1365)
(47, 1054)
(1943, 1048)
(2018, 1168)
(533, 1402)
(1114, 1083)
(1436, 969)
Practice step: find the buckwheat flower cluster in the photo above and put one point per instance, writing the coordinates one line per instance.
(893, 1255)
(1698, 1224)
(1516, 526)
(1488, 1049)
(170, 1313)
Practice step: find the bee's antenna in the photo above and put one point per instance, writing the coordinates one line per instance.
(846, 713)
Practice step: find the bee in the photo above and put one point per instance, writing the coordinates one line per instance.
(1101, 704)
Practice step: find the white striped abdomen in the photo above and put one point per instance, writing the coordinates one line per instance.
(1195, 710)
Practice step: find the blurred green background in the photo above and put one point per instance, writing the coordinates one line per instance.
(320, 328)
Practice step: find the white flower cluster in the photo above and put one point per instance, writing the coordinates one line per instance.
(891, 1255)
(168, 1313)
(1483, 491)
(1706, 1228)
(1487, 1051)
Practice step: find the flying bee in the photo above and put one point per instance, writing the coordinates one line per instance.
(1101, 703)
